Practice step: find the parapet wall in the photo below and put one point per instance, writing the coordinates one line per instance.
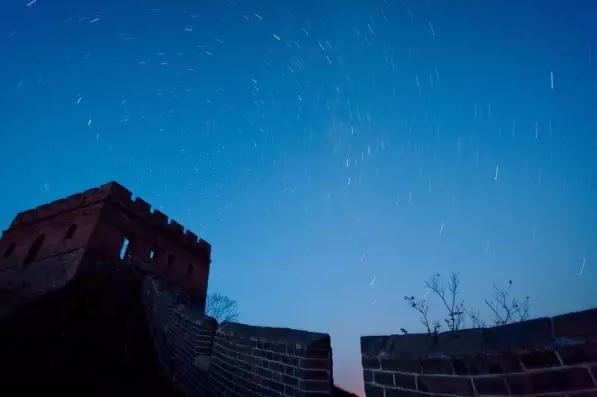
(546, 356)
(182, 337)
(260, 361)
(237, 359)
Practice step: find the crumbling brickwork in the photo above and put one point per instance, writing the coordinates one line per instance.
(546, 356)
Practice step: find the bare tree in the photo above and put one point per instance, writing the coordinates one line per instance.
(422, 307)
(475, 317)
(448, 294)
(506, 309)
(221, 307)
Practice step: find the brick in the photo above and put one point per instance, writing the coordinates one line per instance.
(266, 373)
(290, 360)
(550, 381)
(289, 380)
(275, 366)
(539, 359)
(314, 385)
(275, 386)
(289, 391)
(445, 384)
(315, 374)
(578, 354)
(384, 378)
(405, 381)
(437, 366)
(367, 376)
(487, 364)
(401, 364)
(490, 385)
(576, 325)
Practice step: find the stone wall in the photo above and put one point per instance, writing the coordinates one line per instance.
(110, 226)
(547, 356)
(182, 336)
(260, 361)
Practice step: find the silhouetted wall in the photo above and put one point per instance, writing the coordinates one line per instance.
(547, 355)
(260, 361)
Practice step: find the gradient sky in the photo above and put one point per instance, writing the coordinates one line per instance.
(335, 153)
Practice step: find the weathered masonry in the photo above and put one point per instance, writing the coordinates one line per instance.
(541, 357)
(45, 247)
(100, 295)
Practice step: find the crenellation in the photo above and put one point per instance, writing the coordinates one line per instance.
(104, 217)
(175, 228)
(159, 218)
(141, 205)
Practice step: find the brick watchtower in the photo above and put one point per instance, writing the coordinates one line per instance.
(47, 247)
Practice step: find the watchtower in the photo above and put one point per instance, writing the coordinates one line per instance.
(46, 247)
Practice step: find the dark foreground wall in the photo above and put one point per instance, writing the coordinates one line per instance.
(88, 338)
(260, 361)
(547, 356)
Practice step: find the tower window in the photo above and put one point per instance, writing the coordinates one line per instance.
(152, 254)
(9, 250)
(34, 249)
(70, 232)
(124, 248)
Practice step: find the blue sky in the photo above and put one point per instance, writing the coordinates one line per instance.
(335, 154)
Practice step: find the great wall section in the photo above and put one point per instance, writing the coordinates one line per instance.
(100, 295)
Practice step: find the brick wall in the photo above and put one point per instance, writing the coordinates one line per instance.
(542, 357)
(182, 336)
(260, 361)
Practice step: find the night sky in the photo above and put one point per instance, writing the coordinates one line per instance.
(334, 153)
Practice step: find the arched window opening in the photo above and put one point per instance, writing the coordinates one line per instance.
(34, 249)
(189, 269)
(9, 250)
(124, 248)
(70, 232)
(152, 254)
(171, 260)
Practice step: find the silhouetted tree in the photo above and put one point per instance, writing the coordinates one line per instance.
(506, 309)
(221, 307)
